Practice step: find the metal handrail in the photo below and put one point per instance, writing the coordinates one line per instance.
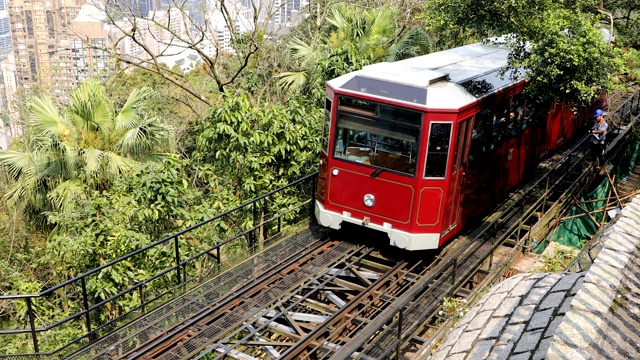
(179, 263)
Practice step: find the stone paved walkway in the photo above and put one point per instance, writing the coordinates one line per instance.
(588, 315)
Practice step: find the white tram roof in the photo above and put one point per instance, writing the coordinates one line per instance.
(449, 79)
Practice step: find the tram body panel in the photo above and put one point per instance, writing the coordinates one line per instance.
(392, 200)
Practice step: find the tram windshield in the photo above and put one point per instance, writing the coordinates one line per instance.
(382, 136)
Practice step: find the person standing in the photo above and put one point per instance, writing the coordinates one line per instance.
(598, 136)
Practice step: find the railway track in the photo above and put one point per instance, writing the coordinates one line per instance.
(337, 300)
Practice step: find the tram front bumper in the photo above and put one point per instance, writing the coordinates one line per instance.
(398, 238)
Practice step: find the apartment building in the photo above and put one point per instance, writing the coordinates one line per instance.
(52, 44)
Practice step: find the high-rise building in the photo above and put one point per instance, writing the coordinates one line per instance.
(51, 44)
(5, 32)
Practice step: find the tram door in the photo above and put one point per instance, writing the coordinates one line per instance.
(458, 171)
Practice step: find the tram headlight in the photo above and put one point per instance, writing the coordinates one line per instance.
(369, 200)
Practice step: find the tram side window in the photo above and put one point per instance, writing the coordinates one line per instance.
(481, 140)
(438, 150)
(326, 125)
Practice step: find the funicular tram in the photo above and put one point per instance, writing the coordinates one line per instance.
(416, 148)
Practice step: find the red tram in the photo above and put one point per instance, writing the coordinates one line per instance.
(416, 148)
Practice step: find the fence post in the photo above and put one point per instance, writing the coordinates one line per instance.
(85, 303)
(252, 233)
(177, 249)
(399, 335)
(314, 186)
(453, 275)
(32, 323)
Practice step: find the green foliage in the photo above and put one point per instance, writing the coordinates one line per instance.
(555, 45)
(352, 38)
(453, 308)
(558, 261)
(632, 62)
(255, 149)
(86, 146)
(567, 59)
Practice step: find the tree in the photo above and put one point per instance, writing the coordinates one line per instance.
(556, 45)
(85, 146)
(222, 35)
(626, 22)
(256, 149)
(352, 39)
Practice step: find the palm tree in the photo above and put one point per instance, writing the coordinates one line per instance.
(354, 38)
(85, 146)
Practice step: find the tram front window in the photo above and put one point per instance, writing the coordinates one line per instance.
(377, 135)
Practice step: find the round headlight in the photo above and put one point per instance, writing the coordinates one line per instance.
(369, 200)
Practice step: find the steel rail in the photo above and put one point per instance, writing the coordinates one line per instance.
(319, 285)
(233, 315)
(230, 299)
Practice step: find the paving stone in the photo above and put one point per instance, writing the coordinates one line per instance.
(507, 307)
(566, 306)
(536, 276)
(554, 325)
(511, 334)
(494, 301)
(510, 283)
(535, 296)
(465, 341)
(522, 314)
(617, 259)
(563, 352)
(479, 320)
(528, 341)
(566, 282)
(577, 286)
(553, 300)
(500, 352)
(543, 348)
(523, 356)
(540, 319)
(578, 329)
(441, 353)
(468, 316)
(524, 286)
(627, 226)
(453, 336)
(481, 350)
(605, 275)
(549, 280)
(456, 357)
(594, 299)
(620, 242)
(494, 328)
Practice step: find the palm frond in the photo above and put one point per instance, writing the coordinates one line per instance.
(16, 162)
(126, 118)
(45, 119)
(92, 159)
(303, 52)
(90, 110)
(415, 42)
(65, 194)
(147, 136)
(116, 165)
(294, 81)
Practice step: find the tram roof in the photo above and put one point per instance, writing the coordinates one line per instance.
(449, 79)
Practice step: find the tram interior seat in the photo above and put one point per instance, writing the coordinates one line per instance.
(359, 154)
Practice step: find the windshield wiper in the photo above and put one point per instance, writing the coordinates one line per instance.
(383, 167)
